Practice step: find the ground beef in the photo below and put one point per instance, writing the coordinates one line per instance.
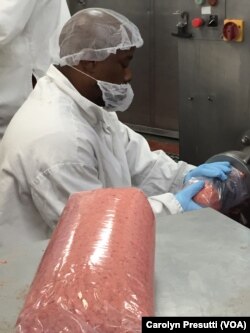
(97, 273)
(209, 196)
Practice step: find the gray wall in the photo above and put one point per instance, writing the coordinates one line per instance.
(196, 88)
(216, 75)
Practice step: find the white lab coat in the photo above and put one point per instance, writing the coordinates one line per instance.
(59, 143)
(29, 31)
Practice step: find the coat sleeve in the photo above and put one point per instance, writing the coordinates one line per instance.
(51, 189)
(153, 171)
(14, 14)
(165, 203)
(158, 175)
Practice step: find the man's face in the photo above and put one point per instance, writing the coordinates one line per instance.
(116, 68)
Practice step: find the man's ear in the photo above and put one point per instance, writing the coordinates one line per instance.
(87, 67)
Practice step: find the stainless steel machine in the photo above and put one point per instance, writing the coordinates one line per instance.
(191, 77)
(240, 159)
(214, 77)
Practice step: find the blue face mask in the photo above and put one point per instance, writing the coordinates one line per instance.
(117, 97)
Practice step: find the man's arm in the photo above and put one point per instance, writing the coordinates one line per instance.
(51, 189)
(14, 14)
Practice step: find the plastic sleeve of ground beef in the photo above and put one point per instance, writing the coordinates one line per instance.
(209, 196)
(97, 273)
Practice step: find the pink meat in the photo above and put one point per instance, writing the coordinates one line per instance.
(97, 272)
(209, 196)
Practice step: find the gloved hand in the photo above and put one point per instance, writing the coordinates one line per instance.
(211, 170)
(185, 196)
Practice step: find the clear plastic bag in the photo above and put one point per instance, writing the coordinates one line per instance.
(97, 273)
(221, 195)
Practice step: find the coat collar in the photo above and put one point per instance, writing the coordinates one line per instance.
(92, 112)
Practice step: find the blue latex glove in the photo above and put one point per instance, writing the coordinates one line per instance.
(185, 196)
(211, 170)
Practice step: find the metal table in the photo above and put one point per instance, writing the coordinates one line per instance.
(202, 268)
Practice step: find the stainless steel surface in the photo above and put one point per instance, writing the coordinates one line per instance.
(16, 275)
(216, 74)
(76, 5)
(155, 67)
(164, 85)
(205, 32)
(245, 139)
(155, 131)
(202, 268)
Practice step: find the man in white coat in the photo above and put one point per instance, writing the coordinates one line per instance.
(29, 31)
(67, 138)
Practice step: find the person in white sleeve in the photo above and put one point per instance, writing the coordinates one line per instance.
(29, 31)
(67, 138)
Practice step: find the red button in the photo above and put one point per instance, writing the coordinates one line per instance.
(230, 31)
(212, 2)
(197, 22)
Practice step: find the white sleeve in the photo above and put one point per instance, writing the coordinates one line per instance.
(152, 171)
(51, 189)
(14, 14)
(64, 13)
(165, 203)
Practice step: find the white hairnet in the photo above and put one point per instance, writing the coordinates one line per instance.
(94, 33)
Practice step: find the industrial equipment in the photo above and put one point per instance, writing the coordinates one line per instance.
(240, 159)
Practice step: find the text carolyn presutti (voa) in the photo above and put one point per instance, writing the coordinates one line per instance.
(175, 323)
